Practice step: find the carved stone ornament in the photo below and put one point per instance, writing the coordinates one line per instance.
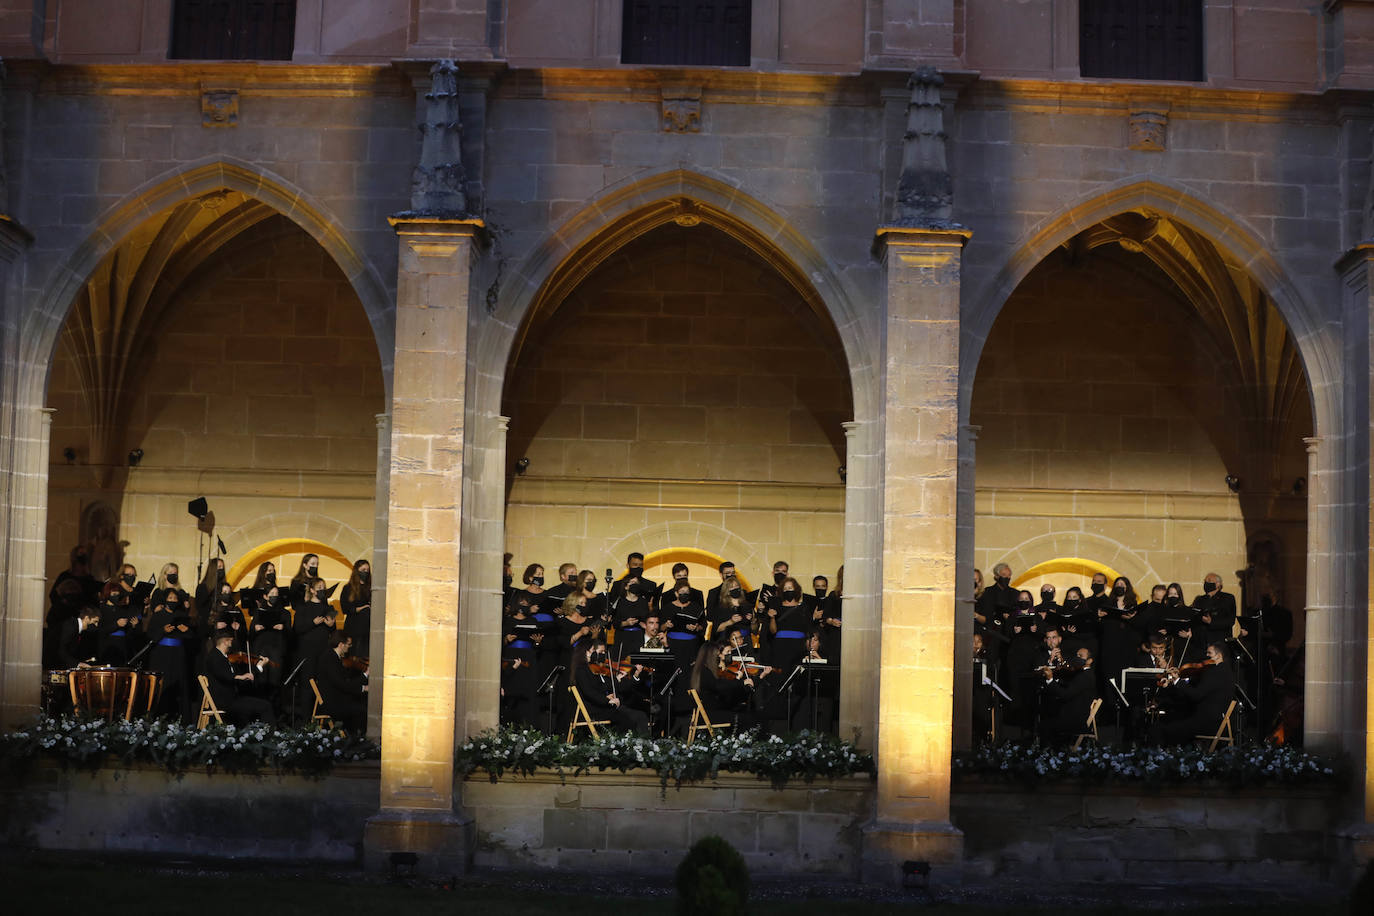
(436, 185)
(681, 107)
(1149, 129)
(925, 190)
(219, 106)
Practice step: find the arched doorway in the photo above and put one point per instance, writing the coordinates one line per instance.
(216, 347)
(1144, 386)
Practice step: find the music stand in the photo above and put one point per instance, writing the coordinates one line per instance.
(295, 688)
(814, 673)
(547, 688)
(662, 666)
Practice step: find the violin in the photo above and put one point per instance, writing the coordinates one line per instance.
(607, 668)
(243, 658)
(1175, 675)
(738, 670)
(355, 663)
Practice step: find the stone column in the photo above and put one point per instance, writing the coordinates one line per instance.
(963, 589)
(419, 671)
(858, 717)
(479, 672)
(381, 512)
(920, 497)
(1325, 643)
(26, 592)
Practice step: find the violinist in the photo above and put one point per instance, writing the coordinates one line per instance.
(603, 690)
(356, 603)
(1208, 686)
(1067, 697)
(726, 677)
(343, 689)
(230, 691)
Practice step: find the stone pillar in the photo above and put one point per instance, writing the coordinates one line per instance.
(963, 590)
(479, 670)
(381, 512)
(858, 719)
(920, 497)
(419, 670)
(26, 587)
(1324, 643)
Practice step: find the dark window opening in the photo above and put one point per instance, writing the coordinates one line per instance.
(1141, 39)
(233, 29)
(702, 33)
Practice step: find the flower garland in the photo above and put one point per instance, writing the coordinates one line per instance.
(1260, 764)
(178, 748)
(806, 755)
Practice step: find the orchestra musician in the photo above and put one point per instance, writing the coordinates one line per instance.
(228, 689)
(1209, 686)
(343, 689)
(727, 677)
(79, 642)
(1067, 697)
(608, 693)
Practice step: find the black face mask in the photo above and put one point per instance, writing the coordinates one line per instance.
(537, 580)
(1024, 604)
(128, 578)
(681, 580)
(683, 596)
(1099, 588)
(270, 578)
(1119, 591)
(636, 572)
(364, 575)
(1046, 597)
(172, 578)
(1209, 587)
(778, 577)
(219, 575)
(313, 571)
(736, 593)
(820, 592)
(1003, 581)
(789, 595)
(1072, 604)
(1173, 601)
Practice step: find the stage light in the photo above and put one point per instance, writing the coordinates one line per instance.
(522, 466)
(135, 456)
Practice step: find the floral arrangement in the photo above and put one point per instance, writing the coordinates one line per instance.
(806, 755)
(252, 749)
(1261, 764)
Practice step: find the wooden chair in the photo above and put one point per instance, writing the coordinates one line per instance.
(700, 720)
(581, 718)
(317, 717)
(207, 704)
(1223, 731)
(1090, 727)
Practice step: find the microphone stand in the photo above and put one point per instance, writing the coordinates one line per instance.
(547, 689)
(295, 687)
(668, 691)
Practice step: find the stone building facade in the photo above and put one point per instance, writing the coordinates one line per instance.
(806, 307)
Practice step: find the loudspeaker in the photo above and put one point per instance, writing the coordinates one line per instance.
(198, 507)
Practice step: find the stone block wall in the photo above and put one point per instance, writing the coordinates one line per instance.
(259, 390)
(145, 810)
(628, 823)
(1108, 834)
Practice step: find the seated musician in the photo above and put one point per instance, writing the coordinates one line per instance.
(604, 692)
(814, 706)
(1067, 698)
(651, 636)
(343, 690)
(1209, 686)
(726, 678)
(229, 690)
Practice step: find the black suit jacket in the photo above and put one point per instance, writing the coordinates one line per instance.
(219, 674)
(340, 688)
(76, 645)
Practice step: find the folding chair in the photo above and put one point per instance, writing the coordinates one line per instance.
(207, 704)
(317, 717)
(700, 720)
(1223, 731)
(1090, 727)
(581, 718)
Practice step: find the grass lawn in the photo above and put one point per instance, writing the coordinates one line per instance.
(51, 885)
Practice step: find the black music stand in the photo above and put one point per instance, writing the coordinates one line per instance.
(820, 677)
(547, 688)
(663, 669)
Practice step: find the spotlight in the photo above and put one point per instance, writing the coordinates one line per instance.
(198, 507)
(135, 456)
(522, 466)
(1300, 486)
(843, 471)
(1233, 483)
(70, 454)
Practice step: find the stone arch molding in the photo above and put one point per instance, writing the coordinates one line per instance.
(43, 323)
(1105, 550)
(687, 197)
(1320, 353)
(700, 535)
(311, 526)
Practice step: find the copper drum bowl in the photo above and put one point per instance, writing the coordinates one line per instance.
(103, 692)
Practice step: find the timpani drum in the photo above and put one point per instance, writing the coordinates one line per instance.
(103, 692)
(147, 691)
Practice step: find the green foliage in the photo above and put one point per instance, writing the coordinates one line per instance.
(806, 755)
(712, 880)
(1263, 764)
(256, 748)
